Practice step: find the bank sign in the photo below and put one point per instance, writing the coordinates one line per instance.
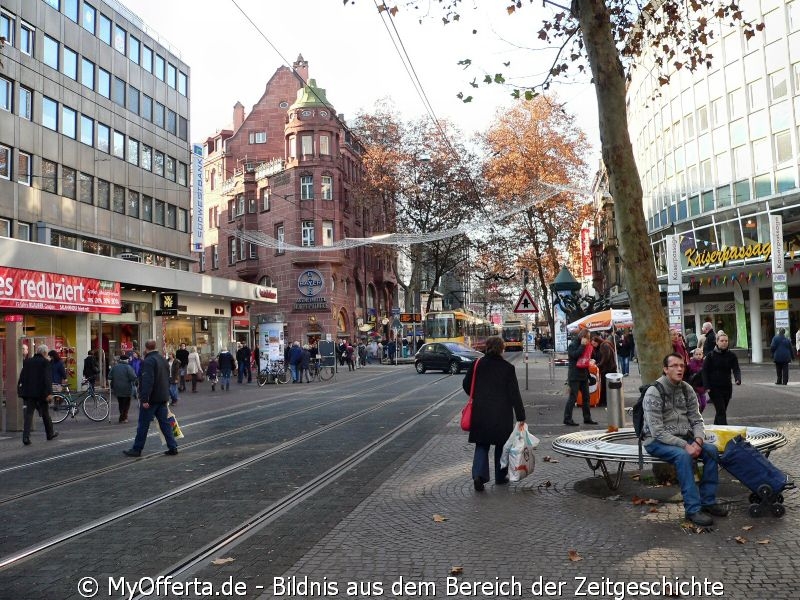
(34, 290)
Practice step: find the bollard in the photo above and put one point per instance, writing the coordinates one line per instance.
(615, 400)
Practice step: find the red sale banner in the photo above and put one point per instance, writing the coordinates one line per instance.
(586, 253)
(35, 290)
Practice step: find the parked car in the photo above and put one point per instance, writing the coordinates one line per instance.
(449, 357)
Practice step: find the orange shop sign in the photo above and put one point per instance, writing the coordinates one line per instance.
(35, 290)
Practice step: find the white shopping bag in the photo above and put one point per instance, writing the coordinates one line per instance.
(518, 453)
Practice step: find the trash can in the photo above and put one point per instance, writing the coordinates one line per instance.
(615, 400)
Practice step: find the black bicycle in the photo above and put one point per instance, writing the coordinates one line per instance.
(273, 371)
(66, 403)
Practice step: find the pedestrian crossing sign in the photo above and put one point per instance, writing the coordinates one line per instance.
(525, 304)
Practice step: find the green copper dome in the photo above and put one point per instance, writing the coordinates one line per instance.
(310, 95)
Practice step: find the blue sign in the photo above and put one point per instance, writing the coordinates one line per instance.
(310, 283)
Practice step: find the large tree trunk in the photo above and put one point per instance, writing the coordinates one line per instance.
(651, 331)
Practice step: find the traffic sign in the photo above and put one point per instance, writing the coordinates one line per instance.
(525, 304)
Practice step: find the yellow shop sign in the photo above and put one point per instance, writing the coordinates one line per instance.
(701, 258)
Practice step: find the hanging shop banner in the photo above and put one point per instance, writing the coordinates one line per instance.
(586, 252)
(35, 290)
(198, 202)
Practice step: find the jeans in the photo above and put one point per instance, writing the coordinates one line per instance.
(480, 463)
(173, 392)
(295, 372)
(576, 385)
(145, 416)
(244, 371)
(225, 379)
(693, 500)
(624, 364)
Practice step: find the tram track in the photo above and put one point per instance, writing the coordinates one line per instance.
(274, 509)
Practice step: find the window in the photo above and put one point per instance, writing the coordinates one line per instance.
(258, 137)
(147, 208)
(133, 100)
(118, 201)
(50, 52)
(119, 145)
(70, 66)
(49, 113)
(327, 233)
(87, 130)
(26, 38)
(292, 146)
(182, 83)
(6, 94)
(264, 198)
(688, 122)
(133, 204)
(147, 158)
(54, 3)
(252, 251)
(169, 167)
(23, 231)
(133, 49)
(158, 163)
(158, 212)
(103, 82)
(280, 235)
(783, 147)
(71, 9)
(49, 180)
(172, 216)
(87, 73)
(762, 157)
(756, 96)
(158, 115)
(24, 165)
(778, 85)
(324, 145)
(160, 67)
(183, 220)
(5, 162)
(327, 187)
(119, 92)
(119, 39)
(214, 256)
(183, 170)
(5, 228)
(104, 29)
(307, 142)
(85, 188)
(103, 193)
(103, 138)
(147, 107)
(172, 122)
(239, 205)
(7, 28)
(172, 75)
(68, 181)
(69, 122)
(25, 106)
(147, 59)
(183, 128)
(89, 17)
(306, 187)
(133, 151)
(307, 233)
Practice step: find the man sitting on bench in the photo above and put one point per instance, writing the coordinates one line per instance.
(674, 432)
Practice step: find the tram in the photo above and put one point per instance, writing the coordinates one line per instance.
(514, 335)
(458, 326)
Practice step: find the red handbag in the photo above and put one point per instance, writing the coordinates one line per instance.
(466, 412)
(584, 362)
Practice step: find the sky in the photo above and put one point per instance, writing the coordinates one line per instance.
(352, 56)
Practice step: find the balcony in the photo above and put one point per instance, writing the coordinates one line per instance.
(247, 269)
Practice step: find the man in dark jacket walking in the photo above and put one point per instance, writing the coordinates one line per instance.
(36, 387)
(153, 395)
(782, 354)
(182, 354)
(243, 360)
(718, 367)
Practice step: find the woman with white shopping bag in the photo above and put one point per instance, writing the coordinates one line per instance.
(496, 400)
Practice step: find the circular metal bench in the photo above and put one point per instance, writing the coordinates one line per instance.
(599, 447)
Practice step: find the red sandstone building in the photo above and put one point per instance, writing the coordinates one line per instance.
(288, 169)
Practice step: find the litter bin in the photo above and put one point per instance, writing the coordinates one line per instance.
(615, 400)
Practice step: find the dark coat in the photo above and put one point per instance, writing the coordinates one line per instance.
(710, 342)
(782, 349)
(574, 351)
(122, 377)
(91, 368)
(718, 367)
(226, 362)
(155, 379)
(495, 402)
(36, 378)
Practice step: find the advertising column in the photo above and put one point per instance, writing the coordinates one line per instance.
(674, 283)
(780, 290)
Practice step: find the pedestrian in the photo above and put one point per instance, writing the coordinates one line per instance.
(257, 360)
(193, 368)
(305, 361)
(578, 379)
(391, 350)
(496, 400)
(782, 355)
(674, 431)
(123, 379)
(91, 367)
(678, 345)
(35, 387)
(694, 377)
(718, 367)
(175, 367)
(212, 371)
(182, 355)
(295, 358)
(709, 338)
(243, 360)
(797, 343)
(362, 354)
(226, 366)
(624, 351)
(135, 362)
(349, 357)
(605, 360)
(153, 398)
(58, 369)
(691, 341)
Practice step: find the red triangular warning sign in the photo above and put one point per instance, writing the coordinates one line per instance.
(525, 304)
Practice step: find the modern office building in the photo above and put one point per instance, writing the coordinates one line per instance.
(290, 169)
(94, 186)
(718, 151)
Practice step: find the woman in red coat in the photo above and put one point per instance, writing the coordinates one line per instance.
(495, 402)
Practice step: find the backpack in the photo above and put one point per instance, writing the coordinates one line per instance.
(638, 415)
